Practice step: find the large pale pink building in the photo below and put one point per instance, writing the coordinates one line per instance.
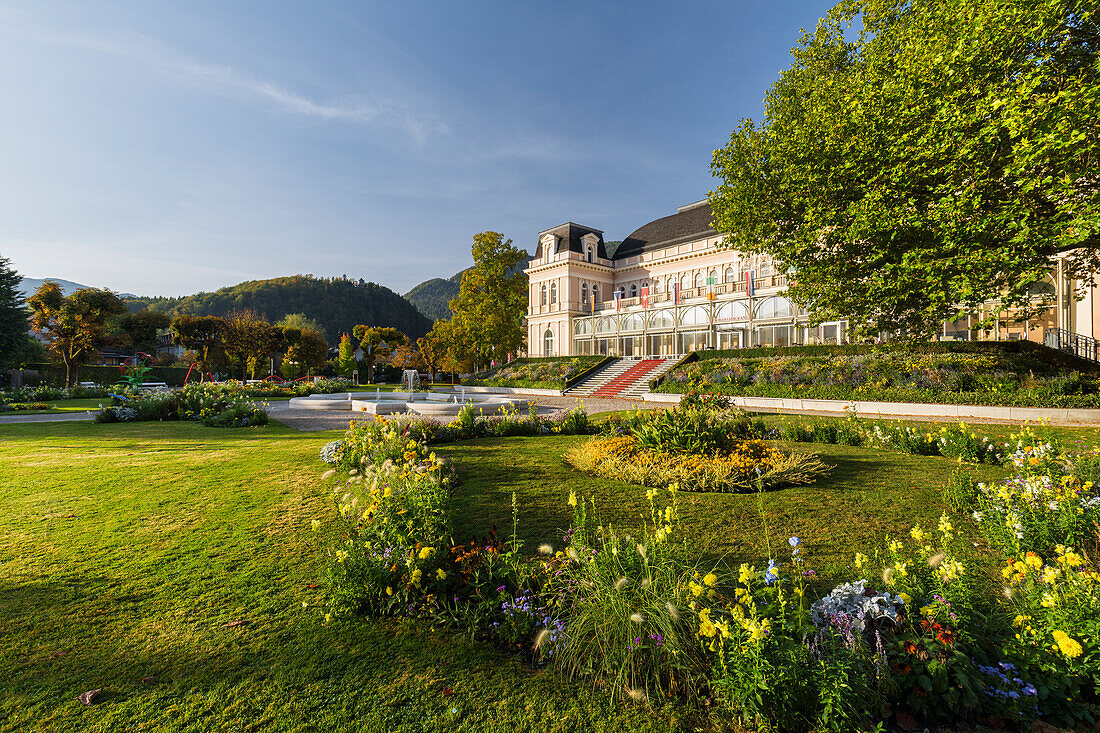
(667, 290)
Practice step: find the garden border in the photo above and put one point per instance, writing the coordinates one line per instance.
(1076, 416)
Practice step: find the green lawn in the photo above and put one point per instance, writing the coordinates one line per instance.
(868, 495)
(126, 548)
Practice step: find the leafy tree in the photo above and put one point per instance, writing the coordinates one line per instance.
(492, 299)
(377, 342)
(141, 329)
(250, 340)
(345, 362)
(204, 335)
(303, 323)
(305, 352)
(405, 357)
(431, 352)
(13, 316)
(75, 327)
(943, 156)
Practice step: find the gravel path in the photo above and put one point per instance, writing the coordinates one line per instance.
(49, 417)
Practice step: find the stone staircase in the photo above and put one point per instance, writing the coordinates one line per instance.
(627, 378)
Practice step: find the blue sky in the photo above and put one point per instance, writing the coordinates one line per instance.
(164, 148)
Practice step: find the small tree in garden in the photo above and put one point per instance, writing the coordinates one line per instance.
(431, 353)
(377, 342)
(405, 357)
(345, 362)
(306, 350)
(204, 335)
(75, 327)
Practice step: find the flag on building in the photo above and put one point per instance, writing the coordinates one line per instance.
(618, 298)
(750, 283)
(711, 282)
(676, 293)
(645, 297)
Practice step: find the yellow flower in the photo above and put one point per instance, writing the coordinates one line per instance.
(710, 579)
(572, 499)
(695, 588)
(905, 598)
(426, 552)
(441, 573)
(748, 573)
(917, 533)
(860, 559)
(1066, 645)
(389, 591)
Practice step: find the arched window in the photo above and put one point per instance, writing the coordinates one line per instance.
(588, 253)
(633, 290)
(632, 322)
(698, 279)
(713, 276)
(622, 292)
(656, 287)
(683, 282)
(553, 293)
(732, 312)
(1042, 289)
(584, 293)
(543, 300)
(669, 283)
(605, 325)
(694, 316)
(661, 320)
(582, 326)
(776, 307)
(548, 343)
(595, 293)
(729, 275)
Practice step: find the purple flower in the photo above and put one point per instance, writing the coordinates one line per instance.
(794, 541)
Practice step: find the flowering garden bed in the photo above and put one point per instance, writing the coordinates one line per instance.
(977, 374)
(917, 633)
(536, 373)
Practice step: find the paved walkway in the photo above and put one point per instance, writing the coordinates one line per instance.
(15, 419)
(307, 420)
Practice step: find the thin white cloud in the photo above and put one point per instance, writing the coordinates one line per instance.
(236, 83)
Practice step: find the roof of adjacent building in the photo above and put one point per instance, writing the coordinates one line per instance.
(688, 223)
(569, 238)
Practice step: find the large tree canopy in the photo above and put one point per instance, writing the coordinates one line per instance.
(947, 154)
(492, 299)
(74, 327)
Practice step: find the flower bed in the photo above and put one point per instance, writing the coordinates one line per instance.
(990, 376)
(532, 373)
(700, 446)
(916, 635)
(212, 404)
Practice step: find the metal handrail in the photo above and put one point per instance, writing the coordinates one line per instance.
(1077, 344)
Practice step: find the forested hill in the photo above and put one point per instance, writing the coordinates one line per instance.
(432, 296)
(337, 304)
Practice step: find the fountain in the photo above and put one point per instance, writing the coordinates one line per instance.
(409, 400)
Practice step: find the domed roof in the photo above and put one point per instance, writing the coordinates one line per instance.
(689, 223)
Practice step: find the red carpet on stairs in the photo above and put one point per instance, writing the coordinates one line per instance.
(616, 386)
